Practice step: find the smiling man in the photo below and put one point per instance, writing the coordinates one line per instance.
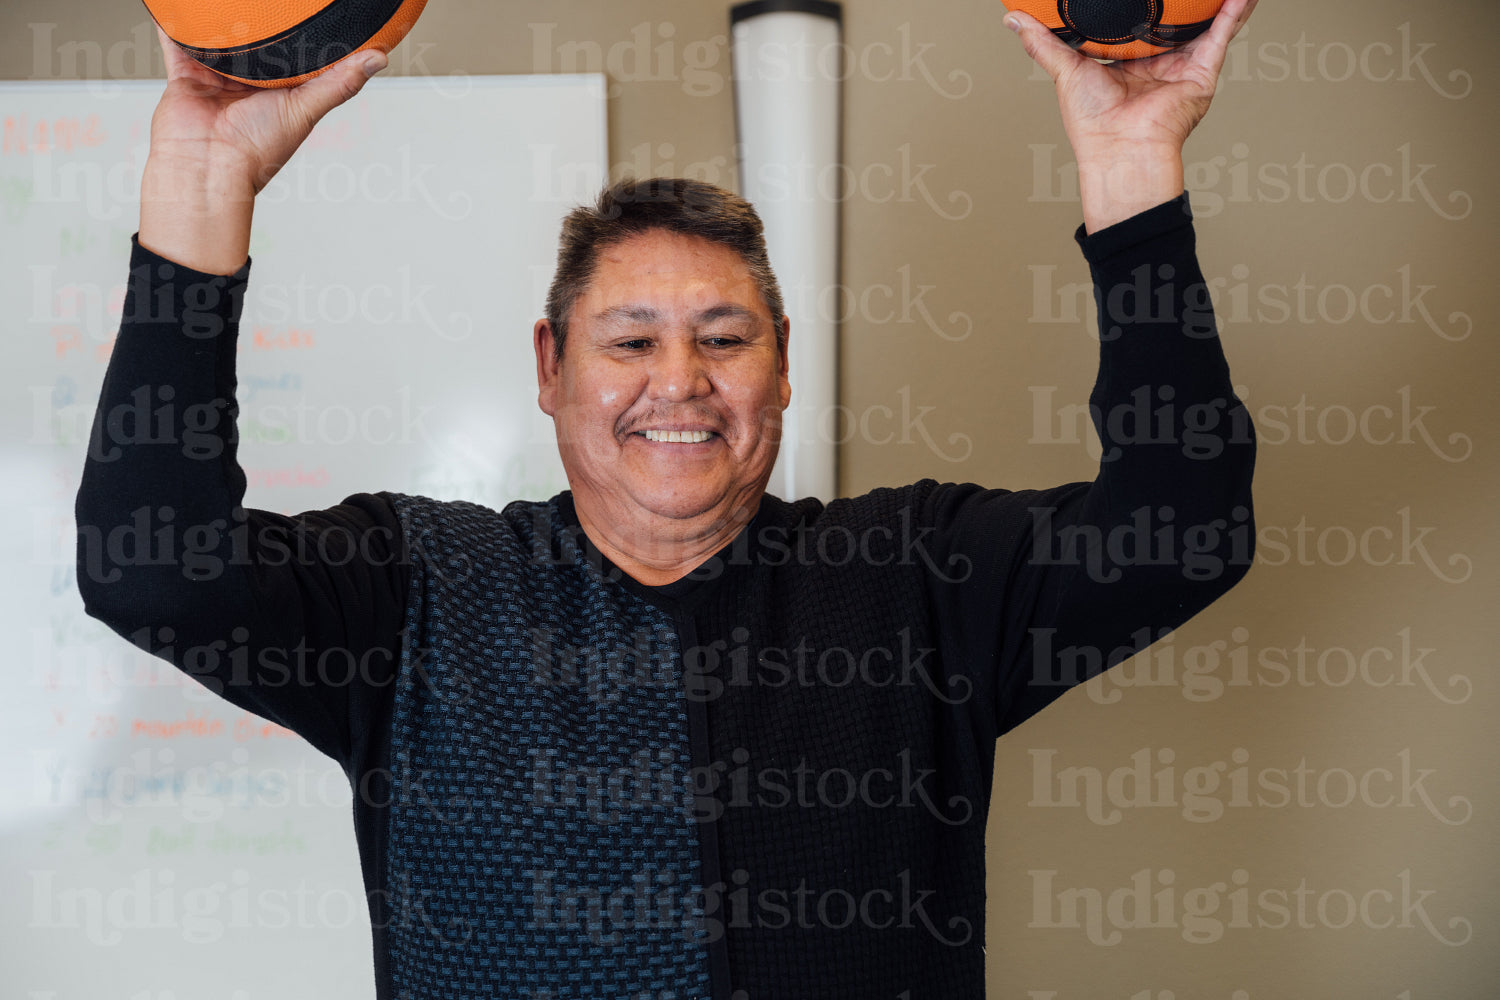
(664, 735)
(663, 362)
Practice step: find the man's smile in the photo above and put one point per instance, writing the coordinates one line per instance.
(677, 437)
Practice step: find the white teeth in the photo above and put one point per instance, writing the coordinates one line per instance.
(679, 437)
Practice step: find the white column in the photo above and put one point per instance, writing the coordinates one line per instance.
(787, 74)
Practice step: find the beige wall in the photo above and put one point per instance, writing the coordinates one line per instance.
(983, 225)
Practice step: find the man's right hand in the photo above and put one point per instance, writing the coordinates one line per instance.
(215, 143)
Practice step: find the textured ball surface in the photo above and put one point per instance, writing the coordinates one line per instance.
(1122, 29)
(280, 43)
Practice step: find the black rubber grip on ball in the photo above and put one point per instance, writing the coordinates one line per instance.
(1119, 22)
(1177, 34)
(323, 39)
(1110, 22)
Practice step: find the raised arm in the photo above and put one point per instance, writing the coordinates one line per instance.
(1057, 585)
(292, 618)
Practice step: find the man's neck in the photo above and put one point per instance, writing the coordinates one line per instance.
(673, 549)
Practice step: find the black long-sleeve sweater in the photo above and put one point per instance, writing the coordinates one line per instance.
(767, 779)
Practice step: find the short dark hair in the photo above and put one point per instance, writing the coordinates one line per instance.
(633, 206)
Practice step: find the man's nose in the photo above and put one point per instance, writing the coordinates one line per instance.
(680, 372)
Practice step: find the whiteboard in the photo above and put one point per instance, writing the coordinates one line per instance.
(155, 841)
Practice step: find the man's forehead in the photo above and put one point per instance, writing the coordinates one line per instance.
(636, 312)
(665, 266)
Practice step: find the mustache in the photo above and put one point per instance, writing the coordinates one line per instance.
(659, 417)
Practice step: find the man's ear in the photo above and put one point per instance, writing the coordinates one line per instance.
(546, 366)
(784, 362)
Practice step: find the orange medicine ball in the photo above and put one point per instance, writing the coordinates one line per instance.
(280, 43)
(1122, 29)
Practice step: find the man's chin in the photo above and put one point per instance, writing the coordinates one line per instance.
(708, 504)
(679, 507)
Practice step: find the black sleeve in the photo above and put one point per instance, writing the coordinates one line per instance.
(296, 619)
(1051, 587)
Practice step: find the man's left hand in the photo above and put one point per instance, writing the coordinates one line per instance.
(1128, 120)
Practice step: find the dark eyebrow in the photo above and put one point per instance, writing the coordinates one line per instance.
(645, 314)
(635, 314)
(726, 310)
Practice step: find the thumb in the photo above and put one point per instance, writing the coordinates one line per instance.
(314, 98)
(1049, 51)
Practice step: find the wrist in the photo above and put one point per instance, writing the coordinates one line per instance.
(1124, 181)
(195, 216)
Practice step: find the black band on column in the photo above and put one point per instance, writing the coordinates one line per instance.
(755, 8)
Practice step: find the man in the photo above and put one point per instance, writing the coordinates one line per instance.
(665, 735)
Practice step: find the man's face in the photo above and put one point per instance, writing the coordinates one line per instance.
(669, 395)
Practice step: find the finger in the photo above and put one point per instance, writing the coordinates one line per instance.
(175, 58)
(1244, 16)
(1210, 48)
(314, 98)
(200, 79)
(1236, 12)
(1042, 45)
